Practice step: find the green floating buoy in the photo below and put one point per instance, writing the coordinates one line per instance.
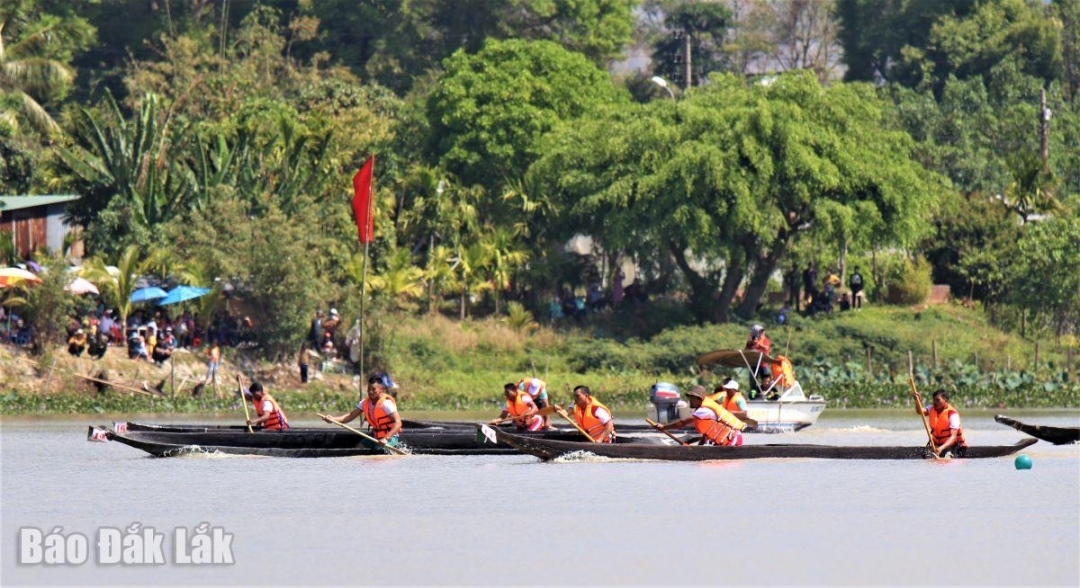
(1023, 462)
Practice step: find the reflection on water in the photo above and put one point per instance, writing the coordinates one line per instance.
(513, 520)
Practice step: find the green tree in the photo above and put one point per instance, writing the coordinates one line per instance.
(1044, 280)
(697, 26)
(488, 111)
(727, 180)
(397, 42)
(118, 281)
(918, 41)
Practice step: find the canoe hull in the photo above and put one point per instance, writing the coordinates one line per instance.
(548, 449)
(1055, 435)
(310, 442)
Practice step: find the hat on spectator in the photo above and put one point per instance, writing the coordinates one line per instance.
(698, 391)
(731, 385)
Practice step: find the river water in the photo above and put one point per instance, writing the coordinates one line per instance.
(511, 520)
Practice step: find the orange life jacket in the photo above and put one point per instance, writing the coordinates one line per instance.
(783, 372)
(732, 404)
(518, 406)
(586, 417)
(720, 431)
(762, 344)
(939, 426)
(277, 420)
(378, 419)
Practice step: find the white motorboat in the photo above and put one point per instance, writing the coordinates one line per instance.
(790, 410)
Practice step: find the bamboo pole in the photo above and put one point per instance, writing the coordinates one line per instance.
(869, 364)
(1072, 364)
(1036, 356)
(933, 346)
(100, 381)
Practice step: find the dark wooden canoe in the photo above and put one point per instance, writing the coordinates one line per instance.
(1055, 435)
(407, 425)
(547, 449)
(314, 442)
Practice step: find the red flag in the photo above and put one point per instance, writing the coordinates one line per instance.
(361, 202)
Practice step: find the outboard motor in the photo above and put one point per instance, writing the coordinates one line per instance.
(666, 405)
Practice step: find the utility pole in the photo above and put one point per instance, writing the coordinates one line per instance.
(1044, 130)
(689, 80)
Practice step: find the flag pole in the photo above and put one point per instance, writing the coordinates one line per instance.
(363, 281)
(363, 325)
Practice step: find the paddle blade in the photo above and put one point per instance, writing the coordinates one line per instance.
(488, 433)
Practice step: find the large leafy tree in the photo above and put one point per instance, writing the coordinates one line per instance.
(398, 42)
(729, 179)
(1043, 281)
(922, 41)
(488, 111)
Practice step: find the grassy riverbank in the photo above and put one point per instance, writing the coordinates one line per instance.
(444, 364)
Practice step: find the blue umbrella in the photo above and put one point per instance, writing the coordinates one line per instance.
(146, 294)
(181, 293)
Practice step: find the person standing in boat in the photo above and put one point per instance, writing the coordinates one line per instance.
(759, 341)
(520, 406)
(536, 388)
(716, 425)
(379, 410)
(592, 416)
(268, 413)
(728, 396)
(944, 424)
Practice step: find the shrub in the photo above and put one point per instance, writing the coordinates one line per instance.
(913, 284)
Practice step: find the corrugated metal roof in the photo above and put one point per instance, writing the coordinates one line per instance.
(8, 203)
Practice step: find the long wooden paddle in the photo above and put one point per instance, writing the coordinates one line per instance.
(563, 414)
(247, 415)
(388, 448)
(922, 416)
(657, 426)
(542, 412)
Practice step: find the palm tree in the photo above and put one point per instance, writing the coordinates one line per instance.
(117, 283)
(401, 281)
(504, 256)
(28, 73)
(438, 273)
(470, 278)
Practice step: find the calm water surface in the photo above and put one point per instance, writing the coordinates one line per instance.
(513, 520)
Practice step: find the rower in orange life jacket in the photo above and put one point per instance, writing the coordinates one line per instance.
(944, 424)
(379, 410)
(716, 425)
(520, 405)
(594, 417)
(267, 411)
(728, 396)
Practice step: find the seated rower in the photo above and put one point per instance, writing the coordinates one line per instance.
(520, 406)
(592, 416)
(944, 424)
(380, 412)
(537, 389)
(716, 425)
(728, 396)
(268, 413)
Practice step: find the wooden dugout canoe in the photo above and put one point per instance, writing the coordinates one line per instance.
(1055, 435)
(548, 449)
(312, 442)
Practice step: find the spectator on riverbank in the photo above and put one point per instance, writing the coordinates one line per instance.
(77, 343)
(855, 282)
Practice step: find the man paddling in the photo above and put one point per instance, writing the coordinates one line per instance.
(944, 424)
(595, 418)
(537, 389)
(268, 413)
(520, 406)
(379, 410)
(716, 425)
